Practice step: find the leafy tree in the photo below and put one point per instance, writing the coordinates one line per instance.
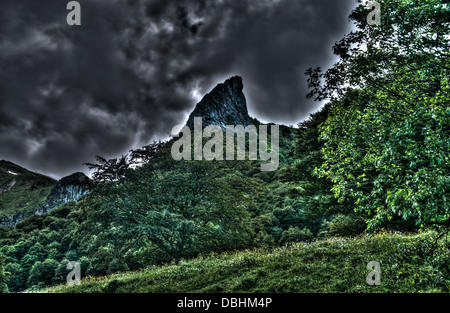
(39, 251)
(13, 280)
(26, 264)
(346, 225)
(295, 234)
(146, 153)
(179, 208)
(386, 140)
(315, 191)
(107, 170)
(42, 273)
(4, 276)
(61, 272)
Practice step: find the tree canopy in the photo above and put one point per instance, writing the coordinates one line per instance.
(386, 140)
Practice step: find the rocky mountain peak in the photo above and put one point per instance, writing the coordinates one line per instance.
(69, 188)
(224, 105)
(74, 179)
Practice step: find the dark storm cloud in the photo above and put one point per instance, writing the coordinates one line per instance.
(135, 68)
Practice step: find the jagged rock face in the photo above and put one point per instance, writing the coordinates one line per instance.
(224, 105)
(11, 221)
(70, 188)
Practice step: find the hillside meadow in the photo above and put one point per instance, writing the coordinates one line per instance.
(409, 263)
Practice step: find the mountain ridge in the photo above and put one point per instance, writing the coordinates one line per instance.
(68, 188)
(24, 193)
(224, 105)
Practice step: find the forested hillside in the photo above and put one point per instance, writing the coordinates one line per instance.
(370, 163)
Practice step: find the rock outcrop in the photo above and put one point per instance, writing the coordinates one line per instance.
(69, 188)
(224, 105)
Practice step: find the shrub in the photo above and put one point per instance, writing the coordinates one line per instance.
(295, 234)
(346, 225)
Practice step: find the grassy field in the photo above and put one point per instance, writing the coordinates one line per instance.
(409, 263)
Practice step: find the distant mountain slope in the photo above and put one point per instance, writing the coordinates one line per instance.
(69, 188)
(21, 192)
(24, 193)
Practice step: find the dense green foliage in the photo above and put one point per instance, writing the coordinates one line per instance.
(375, 156)
(314, 192)
(157, 212)
(386, 141)
(35, 245)
(3, 275)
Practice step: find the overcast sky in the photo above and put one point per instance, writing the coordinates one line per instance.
(136, 68)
